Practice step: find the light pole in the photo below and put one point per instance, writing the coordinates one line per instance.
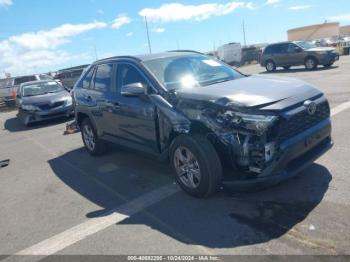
(149, 41)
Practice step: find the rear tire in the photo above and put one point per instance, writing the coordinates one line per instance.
(311, 63)
(93, 144)
(196, 165)
(270, 66)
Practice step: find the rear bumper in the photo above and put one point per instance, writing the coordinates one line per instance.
(38, 116)
(294, 155)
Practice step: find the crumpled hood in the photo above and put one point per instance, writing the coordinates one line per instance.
(320, 49)
(265, 92)
(45, 99)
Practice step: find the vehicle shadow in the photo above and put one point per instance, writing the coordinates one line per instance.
(225, 220)
(15, 125)
(299, 70)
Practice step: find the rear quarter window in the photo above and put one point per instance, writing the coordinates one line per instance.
(85, 80)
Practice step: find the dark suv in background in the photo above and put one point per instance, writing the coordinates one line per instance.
(288, 54)
(214, 124)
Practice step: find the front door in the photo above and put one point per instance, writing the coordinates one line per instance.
(134, 118)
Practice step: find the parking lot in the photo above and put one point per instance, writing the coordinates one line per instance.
(57, 199)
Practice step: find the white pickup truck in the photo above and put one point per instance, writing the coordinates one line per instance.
(6, 90)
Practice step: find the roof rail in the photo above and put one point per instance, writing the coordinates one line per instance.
(185, 51)
(117, 57)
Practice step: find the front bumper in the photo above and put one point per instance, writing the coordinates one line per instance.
(294, 155)
(37, 116)
(329, 58)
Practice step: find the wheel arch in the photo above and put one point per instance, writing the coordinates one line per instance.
(311, 56)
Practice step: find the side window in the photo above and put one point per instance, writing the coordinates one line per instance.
(128, 74)
(283, 49)
(268, 50)
(87, 78)
(292, 48)
(103, 78)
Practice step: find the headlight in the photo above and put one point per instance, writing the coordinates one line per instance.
(259, 123)
(29, 107)
(69, 101)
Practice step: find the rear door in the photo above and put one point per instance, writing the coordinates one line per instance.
(281, 52)
(133, 118)
(100, 89)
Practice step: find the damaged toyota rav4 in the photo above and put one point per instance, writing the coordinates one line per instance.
(215, 125)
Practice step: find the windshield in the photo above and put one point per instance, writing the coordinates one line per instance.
(190, 71)
(42, 89)
(306, 45)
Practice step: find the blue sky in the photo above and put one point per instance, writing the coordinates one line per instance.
(42, 35)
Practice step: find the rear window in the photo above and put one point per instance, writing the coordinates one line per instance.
(24, 79)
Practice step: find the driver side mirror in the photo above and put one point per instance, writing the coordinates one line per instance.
(133, 89)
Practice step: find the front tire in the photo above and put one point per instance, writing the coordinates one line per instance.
(311, 63)
(196, 165)
(93, 144)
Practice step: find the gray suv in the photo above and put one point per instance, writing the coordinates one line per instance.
(213, 124)
(289, 54)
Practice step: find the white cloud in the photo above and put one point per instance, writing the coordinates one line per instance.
(37, 51)
(299, 7)
(158, 30)
(129, 34)
(250, 6)
(120, 21)
(55, 37)
(5, 3)
(272, 2)
(340, 18)
(178, 12)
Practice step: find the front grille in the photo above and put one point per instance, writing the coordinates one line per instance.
(51, 106)
(302, 121)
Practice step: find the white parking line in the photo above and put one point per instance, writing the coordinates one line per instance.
(77, 233)
(340, 108)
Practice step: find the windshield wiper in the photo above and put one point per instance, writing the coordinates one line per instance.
(221, 81)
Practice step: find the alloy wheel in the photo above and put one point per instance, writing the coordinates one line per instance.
(187, 167)
(89, 137)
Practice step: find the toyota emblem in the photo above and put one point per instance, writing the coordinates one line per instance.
(311, 107)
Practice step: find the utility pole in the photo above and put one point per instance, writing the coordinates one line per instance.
(149, 41)
(245, 41)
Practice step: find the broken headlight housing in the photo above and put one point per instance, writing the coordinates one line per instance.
(257, 123)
